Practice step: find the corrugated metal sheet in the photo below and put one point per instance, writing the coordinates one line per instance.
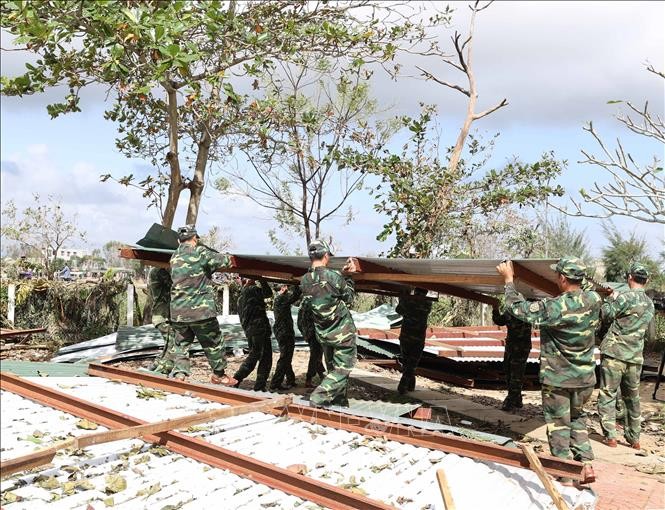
(43, 369)
(396, 473)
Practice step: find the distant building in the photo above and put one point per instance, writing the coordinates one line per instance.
(69, 253)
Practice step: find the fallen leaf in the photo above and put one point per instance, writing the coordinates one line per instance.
(300, 469)
(109, 501)
(115, 483)
(49, 483)
(153, 489)
(86, 424)
(148, 393)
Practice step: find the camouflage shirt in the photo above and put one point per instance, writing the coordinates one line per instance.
(159, 286)
(306, 321)
(330, 293)
(518, 331)
(628, 317)
(567, 329)
(192, 295)
(283, 326)
(252, 308)
(414, 312)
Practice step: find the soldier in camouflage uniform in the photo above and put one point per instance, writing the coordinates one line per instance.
(330, 293)
(516, 352)
(159, 286)
(306, 327)
(415, 311)
(567, 368)
(255, 324)
(286, 337)
(628, 315)
(193, 310)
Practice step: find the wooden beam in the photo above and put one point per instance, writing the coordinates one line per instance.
(535, 280)
(448, 502)
(45, 456)
(435, 278)
(535, 464)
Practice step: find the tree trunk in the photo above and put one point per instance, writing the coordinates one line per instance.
(197, 182)
(173, 158)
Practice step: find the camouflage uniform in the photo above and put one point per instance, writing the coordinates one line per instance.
(306, 327)
(516, 353)
(159, 286)
(255, 324)
(567, 367)
(628, 317)
(415, 311)
(286, 338)
(330, 293)
(193, 310)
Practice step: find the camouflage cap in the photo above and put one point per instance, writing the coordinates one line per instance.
(187, 232)
(639, 270)
(570, 267)
(319, 248)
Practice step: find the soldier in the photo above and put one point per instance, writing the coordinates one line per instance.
(255, 324)
(415, 311)
(629, 314)
(330, 294)
(193, 310)
(286, 337)
(159, 286)
(516, 352)
(567, 368)
(306, 327)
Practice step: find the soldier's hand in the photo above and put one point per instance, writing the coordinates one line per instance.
(506, 270)
(351, 265)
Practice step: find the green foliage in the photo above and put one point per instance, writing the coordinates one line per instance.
(72, 312)
(173, 68)
(412, 181)
(621, 251)
(452, 311)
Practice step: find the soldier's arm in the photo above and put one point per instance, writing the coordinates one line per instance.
(294, 294)
(346, 289)
(217, 260)
(498, 318)
(266, 291)
(545, 312)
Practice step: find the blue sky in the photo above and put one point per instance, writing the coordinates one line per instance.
(557, 64)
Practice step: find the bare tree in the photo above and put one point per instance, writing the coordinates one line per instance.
(635, 190)
(297, 164)
(462, 61)
(43, 227)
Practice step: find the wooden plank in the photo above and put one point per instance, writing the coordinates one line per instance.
(448, 502)
(45, 456)
(496, 280)
(535, 280)
(535, 464)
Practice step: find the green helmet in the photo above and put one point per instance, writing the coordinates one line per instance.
(319, 248)
(187, 232)
(570, 267)
(639, 270)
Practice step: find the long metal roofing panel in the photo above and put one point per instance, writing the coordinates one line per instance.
(399, 474)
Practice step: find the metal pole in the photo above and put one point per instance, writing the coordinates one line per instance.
(130, 304)
(11, 303)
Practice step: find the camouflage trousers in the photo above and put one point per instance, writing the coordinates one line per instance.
(260, 351)
(566, 422)
(411, 350)
(514, 364)
(165, 361)
(208, 334)
(315, 363)
(283, 368)
(332, 390)
(614, 375)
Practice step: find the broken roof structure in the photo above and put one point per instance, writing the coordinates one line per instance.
(250, 460)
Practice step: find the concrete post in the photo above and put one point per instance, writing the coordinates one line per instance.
(225, 300)
(130, 304)
(11, 303)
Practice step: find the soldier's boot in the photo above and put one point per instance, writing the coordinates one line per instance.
(309, 383)
(224, 380)
(405, 383)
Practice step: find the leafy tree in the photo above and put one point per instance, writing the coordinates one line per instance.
(215, 239)
(43, 228)
(173, 69)
(635, 190)
(621, 251)
(411, 183)
(299, 173)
